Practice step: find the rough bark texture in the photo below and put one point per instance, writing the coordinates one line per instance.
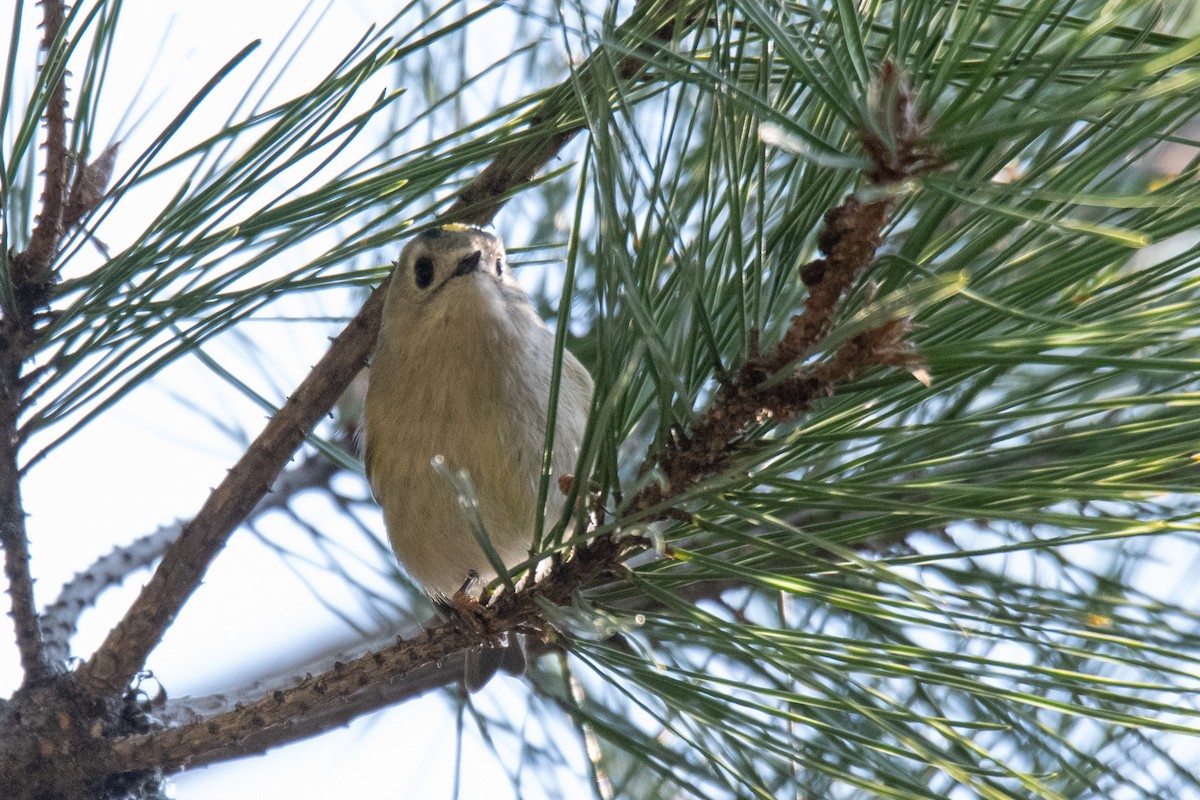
(29, 273)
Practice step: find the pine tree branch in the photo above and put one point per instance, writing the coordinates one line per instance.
(32, 267)
(13, 536)
(769, 388)
(772, 387)
(176, 712)
(60, 619)
(127, 645)
(130, 641)
(29, 281)
(326, 716)
(549, 129)
(287, 715)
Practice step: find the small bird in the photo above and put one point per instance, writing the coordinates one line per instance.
(462, 371)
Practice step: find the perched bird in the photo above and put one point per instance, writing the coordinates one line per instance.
(462, 370)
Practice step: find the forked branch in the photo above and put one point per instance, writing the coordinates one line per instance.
(852, 233)
(553, 124)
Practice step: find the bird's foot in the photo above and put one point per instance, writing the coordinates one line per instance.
(472, 609)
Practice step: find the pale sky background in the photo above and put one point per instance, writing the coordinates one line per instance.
(150, 461)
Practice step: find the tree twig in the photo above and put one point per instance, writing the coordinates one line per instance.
(127, 645)
(32, 267)
(60, 619)
(30, 278)
(124, 650)
(774, 387)
(34, 661)
(286, 715)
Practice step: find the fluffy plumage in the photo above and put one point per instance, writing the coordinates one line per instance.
(462, 369)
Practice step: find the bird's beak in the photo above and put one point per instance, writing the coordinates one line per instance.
(469, 264)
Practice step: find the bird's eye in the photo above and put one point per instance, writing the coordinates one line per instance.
(499, 266)
(423, 271)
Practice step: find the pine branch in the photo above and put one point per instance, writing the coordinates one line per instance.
(771, 387)
(202, 538)
(287, 715)
(128, 644)
(13, 537)
(852, 234)
(32, 267)
(29, 280)
(60, 619)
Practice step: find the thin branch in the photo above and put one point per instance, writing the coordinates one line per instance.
(759, 395)
(773, 387)
(60, 619)
(34, 661)
(32, 267)
(853, 232)
(30, 279)
(128, 644)
(324, 717)
(851, 236)
(287, 714)
(377, 694)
